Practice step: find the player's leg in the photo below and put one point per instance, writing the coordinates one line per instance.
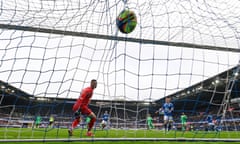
(148, 125)
(88, 119)
(170, 122)
(183, 126)
(37, 125)
(76, 121)
(152, 126)
(50, 124)
(91, 123)
(103, 124)
(165, 119)
(211, 126)
(86, 111)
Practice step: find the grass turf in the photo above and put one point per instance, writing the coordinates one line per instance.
(44, 134)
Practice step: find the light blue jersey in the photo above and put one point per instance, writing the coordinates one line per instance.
(167, 109)
(209, 119)
(105, 117)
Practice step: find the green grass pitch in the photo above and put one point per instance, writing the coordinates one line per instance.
(44, 134)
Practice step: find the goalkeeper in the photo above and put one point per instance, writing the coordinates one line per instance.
(81, 107)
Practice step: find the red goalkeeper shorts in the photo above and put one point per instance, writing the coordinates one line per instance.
(85, 110)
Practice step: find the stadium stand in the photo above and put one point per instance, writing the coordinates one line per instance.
(19, 109)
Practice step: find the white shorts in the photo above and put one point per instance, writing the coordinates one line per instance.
(167, 118)
(104, 122)
(211, 124)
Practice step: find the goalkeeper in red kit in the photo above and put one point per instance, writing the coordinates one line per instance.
(81, 107)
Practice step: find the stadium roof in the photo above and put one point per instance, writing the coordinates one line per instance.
(7, 89)
(209, 93)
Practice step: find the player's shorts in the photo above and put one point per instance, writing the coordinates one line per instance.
(184, 123)
(104, 122)
(149, 123)
(167, 118)
(37, 122)
(211, 124)
(85, 110)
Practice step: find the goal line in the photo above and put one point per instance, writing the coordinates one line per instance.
(121, 139)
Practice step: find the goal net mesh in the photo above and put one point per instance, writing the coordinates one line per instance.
(51, 49)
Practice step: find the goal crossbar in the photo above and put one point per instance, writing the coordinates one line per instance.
(118, 38)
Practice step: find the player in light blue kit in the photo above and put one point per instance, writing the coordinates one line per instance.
(105, 120)
(167, 109)
(210, 122)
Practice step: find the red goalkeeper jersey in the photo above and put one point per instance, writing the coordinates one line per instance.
(84, 98)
